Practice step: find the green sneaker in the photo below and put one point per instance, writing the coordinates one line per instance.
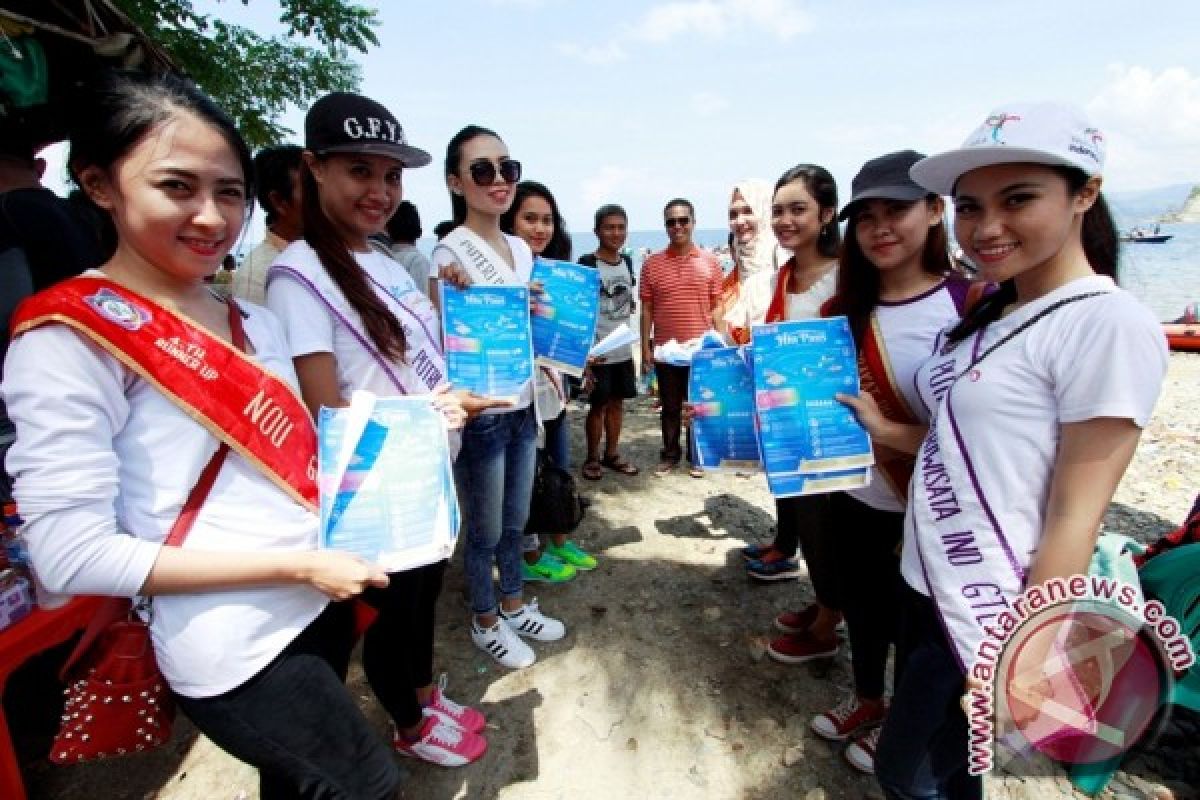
(548, 569)
(570, 553)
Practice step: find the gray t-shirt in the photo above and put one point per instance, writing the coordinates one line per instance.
(616, 303)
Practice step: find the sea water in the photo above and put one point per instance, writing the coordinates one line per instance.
(1166, 277)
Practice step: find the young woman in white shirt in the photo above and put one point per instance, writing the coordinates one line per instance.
(495, 470)
(897, 290)
(803, 217)
(1036, 401)
(104, 459)
(356, 321)
(535, 218)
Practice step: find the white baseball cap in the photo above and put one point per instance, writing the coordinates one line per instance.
(1036, 133)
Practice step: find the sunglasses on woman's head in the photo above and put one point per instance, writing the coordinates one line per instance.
(483, 172)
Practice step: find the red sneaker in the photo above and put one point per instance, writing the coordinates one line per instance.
(847, 718)
(797, 621)
(861, 752)
(796, 648)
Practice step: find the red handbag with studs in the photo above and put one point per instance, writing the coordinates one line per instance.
(117, 701)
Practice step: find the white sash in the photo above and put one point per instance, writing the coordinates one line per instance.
(479, 259)
(426, 364)
(970, 570)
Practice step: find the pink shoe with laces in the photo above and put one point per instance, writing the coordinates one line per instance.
(448, 711)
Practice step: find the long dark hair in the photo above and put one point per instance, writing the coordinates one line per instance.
(1100, 241)
(559, 246)
(458, 204)
(858, 283)
(823, 188)
(382, 326)
(112, 114)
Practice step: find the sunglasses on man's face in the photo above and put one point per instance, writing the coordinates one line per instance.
(484, 172)
(678, 222)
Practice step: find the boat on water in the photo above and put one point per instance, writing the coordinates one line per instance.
(1147, 238)
(1143, 236)
(1182, 337)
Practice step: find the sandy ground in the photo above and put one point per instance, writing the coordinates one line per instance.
(660, 689)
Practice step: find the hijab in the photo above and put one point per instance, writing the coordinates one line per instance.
(749, 286)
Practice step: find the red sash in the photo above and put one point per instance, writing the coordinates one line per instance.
(777, 310)
(258, 415)
(876, 376)
(730, 289)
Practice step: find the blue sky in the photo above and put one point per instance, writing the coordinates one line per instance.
(636, 102)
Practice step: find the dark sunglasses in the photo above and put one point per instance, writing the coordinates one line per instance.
(681, 222)
(484, 172)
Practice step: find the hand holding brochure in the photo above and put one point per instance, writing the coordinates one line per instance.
(810, 441)
(563, 320)
(488, 347)
(386, 481)
(721, 391)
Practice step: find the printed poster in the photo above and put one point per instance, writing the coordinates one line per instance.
(488, 345)
(721, 391)
(563, 317)
(386, 481)
(810, 442)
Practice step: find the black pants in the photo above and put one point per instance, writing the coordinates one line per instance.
(672, 391)
(922, 752)
(398, 647)
(868, 565)
(296, 722)
(807, 521)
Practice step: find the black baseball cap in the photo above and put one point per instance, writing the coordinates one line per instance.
(344, 122)
(886, 178)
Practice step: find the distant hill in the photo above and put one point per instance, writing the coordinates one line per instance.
(1148, 205)
(1189, 212)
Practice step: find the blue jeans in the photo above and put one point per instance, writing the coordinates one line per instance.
(922, 753)
(494, 473)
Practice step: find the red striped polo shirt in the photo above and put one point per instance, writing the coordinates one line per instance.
(683, 291)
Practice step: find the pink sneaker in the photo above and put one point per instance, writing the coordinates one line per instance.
(440, 743)
(448, 711)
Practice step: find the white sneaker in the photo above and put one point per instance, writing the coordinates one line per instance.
(532, 623)
(502, 644)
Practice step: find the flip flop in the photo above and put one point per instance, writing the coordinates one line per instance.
(617, 464)
(592, 470)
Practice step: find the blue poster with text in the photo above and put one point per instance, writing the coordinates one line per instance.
(721, 392)
(810, 442)
(563, 317)
(488, 347)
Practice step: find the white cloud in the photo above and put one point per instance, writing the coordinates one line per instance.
(713, 19)
(609, 183)
(709, 104)
(593, 54)
(664, 22)
(783, 19)
(1151, 122)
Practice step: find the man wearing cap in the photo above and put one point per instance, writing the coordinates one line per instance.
(680, 291)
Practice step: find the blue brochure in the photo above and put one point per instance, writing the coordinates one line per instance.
(721, 391)
(806, 435)
(486, 329)
(563, 318)
(386, 481)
